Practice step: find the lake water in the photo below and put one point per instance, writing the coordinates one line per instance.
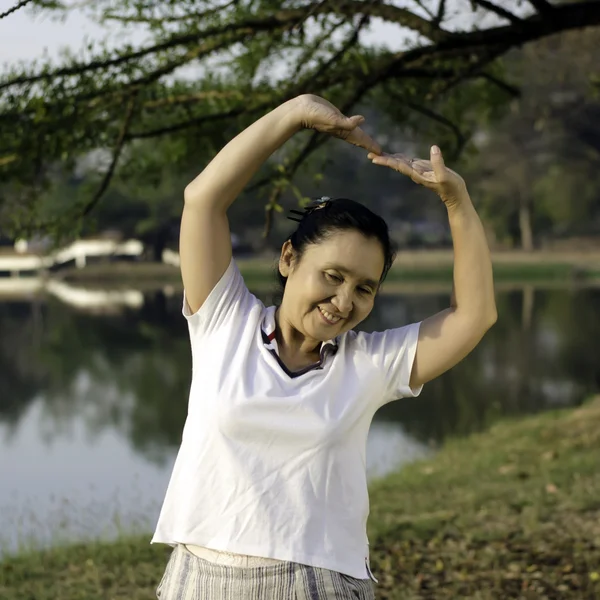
(94, 386)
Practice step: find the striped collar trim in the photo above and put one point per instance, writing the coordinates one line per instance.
(328, 348)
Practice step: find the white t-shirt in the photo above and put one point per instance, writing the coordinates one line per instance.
(273, 465)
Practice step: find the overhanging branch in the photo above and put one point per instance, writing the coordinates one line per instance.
(501, 12)
(120, 143)
(510, 89)
(280, 19)
(15, 8)
(438, 118)
(441, 13)
(197, 16)
(542, 6)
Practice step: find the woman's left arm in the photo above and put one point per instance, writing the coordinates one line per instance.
(448, 336)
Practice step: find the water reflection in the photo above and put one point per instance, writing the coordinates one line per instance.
(92, 405)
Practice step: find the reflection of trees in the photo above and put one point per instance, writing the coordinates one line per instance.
(21, 376)
(132, 371)
(542, 351)
(577, 327)
(89, 366)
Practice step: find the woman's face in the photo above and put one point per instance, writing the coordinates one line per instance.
(331, 289)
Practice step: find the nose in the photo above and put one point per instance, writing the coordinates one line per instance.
(343, 303)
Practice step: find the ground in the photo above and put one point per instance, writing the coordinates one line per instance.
(513, 512)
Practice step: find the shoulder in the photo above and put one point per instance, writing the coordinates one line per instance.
(229, 305)
(375, 343)
(353, 342)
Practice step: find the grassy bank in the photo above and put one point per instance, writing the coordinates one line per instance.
(510, 513)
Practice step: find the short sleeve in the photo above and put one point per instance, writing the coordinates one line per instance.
(393, 353)
(228, 301)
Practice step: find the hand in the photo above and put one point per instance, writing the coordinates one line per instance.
(319, 114)
(432, 174)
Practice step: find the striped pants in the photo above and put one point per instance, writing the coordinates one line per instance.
(189, 577)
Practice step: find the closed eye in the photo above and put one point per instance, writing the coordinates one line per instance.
(364, 290)
(333, 278)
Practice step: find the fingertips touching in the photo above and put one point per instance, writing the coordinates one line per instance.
(375, 148)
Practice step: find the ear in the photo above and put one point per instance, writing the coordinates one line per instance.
(286, 259)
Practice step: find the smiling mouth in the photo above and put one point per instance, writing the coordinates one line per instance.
(328, 317)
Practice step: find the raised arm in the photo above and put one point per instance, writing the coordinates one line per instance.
(448, 336)
(205, 240)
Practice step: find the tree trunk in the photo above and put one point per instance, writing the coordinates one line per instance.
(158, 245)
(527, 308)
(525, 225)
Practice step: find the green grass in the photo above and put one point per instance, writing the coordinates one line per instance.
(514, 272)
(502, 272)
(262, 272)
(510, 513)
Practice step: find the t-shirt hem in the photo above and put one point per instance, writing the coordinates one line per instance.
(300, 558)
(413, 341)
(211, 300)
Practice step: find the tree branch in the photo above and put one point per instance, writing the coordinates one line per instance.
(197, 16)
(510, 89)
(566, 17)
(281, 18)
(234, 112)
(501, 12)
(120, 143)
(316, 140)
(441, 12)
(542, 6)
(314, 77)
(434, 116)
(193, 98)
(15, 8)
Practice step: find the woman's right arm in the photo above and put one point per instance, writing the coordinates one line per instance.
(205, 239)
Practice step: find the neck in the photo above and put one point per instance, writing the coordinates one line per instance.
(291, 340)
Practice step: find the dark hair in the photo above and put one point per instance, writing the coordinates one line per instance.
(341, 214)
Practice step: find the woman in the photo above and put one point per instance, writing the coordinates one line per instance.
(268, 497)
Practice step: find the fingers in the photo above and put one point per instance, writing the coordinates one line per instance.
(419, 170)
(398, 162)
(350, 123)
(437, 161)
(359, 138)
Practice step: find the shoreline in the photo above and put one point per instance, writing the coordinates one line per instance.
(409, 266)
(512, 512)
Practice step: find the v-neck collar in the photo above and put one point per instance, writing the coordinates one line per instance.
(328, 348)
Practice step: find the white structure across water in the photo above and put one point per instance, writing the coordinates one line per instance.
(77, 252)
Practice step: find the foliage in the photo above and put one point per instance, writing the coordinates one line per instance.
(539, 166)
(207, 69)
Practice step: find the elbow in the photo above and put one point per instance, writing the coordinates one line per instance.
(491, 318)
(483, 322)
(189, 194)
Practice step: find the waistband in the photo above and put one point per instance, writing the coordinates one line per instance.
(230, 559)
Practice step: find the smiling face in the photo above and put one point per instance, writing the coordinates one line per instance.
(332, 288)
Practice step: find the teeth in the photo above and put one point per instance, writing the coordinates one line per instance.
(329, 316)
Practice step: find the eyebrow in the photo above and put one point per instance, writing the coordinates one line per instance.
(370, 282)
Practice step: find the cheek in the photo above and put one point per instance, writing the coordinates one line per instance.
(314, 288)
(363, 309)
(307, 288)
